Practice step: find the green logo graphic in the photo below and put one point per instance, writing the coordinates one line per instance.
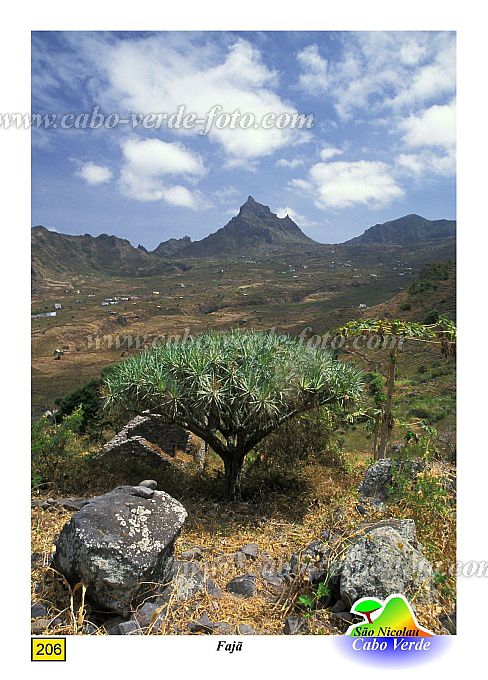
(393, 617)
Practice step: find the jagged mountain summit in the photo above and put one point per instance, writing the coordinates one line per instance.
(254, 229)
(172, 246)
(407, 229)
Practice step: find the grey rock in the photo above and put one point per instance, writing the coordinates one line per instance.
(203, 625)
(240, 560)
(275, 583)
(117, 542)
(212, 589)
(379, 477)
(143, 492)
(194, 553)
(150, 483)
(144, 614)
(130, 627)
(250, 550)
(405, 527)
(38, 610)
(382, 562)
(242, 585)
(190, 580)
(244, 629)
(296, 625)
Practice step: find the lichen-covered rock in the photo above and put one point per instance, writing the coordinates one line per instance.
(119, 543)
(379, 477)
(382, 562)
(189, 580)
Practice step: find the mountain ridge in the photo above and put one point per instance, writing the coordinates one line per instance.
(254, 227)
(406, 229)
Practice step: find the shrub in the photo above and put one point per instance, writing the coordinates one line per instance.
(53, 445)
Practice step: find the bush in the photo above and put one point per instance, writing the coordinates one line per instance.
(52, 447)
(88, 397)
(280, 457)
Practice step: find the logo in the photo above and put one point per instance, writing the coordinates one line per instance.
(389, 634)
(394, 617)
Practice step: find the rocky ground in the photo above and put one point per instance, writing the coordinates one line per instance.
(247, 568)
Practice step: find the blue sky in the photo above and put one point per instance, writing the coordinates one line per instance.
(382, 143)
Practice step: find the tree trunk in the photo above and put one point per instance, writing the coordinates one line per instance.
(233, 468)
(387, 419)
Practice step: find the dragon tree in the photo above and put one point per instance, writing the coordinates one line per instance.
(232, 389)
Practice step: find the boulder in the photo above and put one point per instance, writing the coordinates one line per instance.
(378, 478)
(118, 542)
(381, 562)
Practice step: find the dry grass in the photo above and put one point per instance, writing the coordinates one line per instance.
(281, 523)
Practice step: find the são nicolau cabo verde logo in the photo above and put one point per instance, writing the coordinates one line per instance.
(389, 632)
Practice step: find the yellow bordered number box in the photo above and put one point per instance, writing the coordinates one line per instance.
(48, 649)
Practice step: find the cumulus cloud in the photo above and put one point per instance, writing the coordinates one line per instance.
(160, 73)
(341, 184)
(435, 126)
(147, 165)
(427, 163)
(94, 174)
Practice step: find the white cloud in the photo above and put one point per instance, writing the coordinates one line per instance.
(148, 161)
(427, 163)
(160, 73)
(435, 126)
(292, 163)
(341, 184)
(329, 152)
(295, 216)
(155, 157)
(378, 70)
(313, 78)
(94, 174)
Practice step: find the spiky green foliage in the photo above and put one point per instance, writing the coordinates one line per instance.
(231, 389)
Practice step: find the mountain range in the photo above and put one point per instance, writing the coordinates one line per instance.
(254, 230)
(408, 229)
